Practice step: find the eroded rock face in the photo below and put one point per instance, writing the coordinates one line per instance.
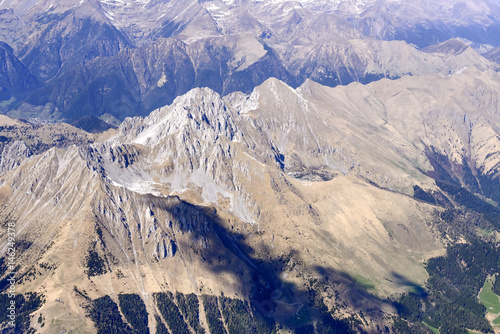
(20, 140)
(13, 155)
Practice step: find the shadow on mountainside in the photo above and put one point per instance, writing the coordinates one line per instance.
(279, 300)
(406, 283)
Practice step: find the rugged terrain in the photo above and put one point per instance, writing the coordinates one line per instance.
(282, 197)
(250, 166)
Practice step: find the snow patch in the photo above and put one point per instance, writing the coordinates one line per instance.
(162, 81)
(132, 178)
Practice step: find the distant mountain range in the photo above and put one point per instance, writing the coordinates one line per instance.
(113, 59)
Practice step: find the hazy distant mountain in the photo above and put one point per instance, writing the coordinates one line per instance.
(16, 81)
(493, 55)
(426, 22)
(122, 58)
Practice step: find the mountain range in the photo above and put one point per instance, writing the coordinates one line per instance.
(281, 190)
(247, 166)
(103, 59)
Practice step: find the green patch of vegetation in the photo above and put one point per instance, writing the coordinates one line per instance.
(106, 316)
(94, 263)
(433, 329)
(24, 306)
(190, 309)
(213, 316)
(236, 316)
(489, 299)
(497, 321)
(134, 310)
(160, 326)
(365, 283)
(451, 302)
(171, 313)
(482, 232)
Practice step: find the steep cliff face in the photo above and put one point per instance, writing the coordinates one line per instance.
(15, 79)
